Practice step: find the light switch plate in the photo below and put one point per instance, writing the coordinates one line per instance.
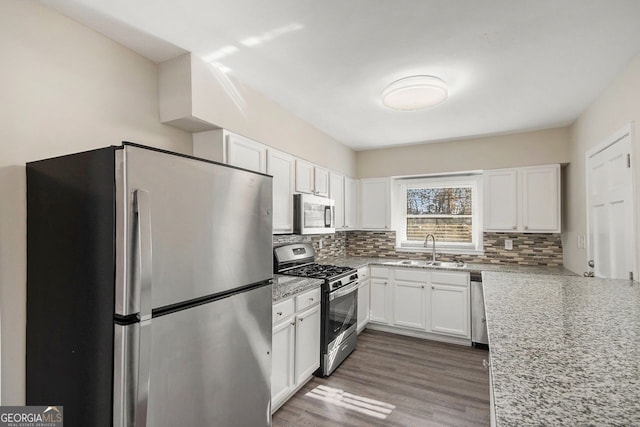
(508, 244)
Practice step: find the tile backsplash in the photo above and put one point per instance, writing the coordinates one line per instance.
(528, 249)
(333, 245)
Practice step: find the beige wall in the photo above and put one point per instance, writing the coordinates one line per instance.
(65, 89)
(492, 152)
(195, 95)
(618, 105)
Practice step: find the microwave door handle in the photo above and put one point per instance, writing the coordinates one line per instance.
(327, 216)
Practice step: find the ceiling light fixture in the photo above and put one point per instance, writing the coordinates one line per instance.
(415, 93)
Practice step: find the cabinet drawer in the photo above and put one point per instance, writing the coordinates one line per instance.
(411, 275)
(381, 272)
(460, 279)
(282, 310)
(307, 299)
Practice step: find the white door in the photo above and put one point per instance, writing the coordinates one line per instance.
(501, 200)
(363, 304)
(374, 203)
(307, 343)
(304, 177)
(350, 202)
(610, 204)
(378, 308)
(541, 199)
(282, 167)
(282, 354)
(321, 181)
(409, 304)
(336, 192)
(450, 309)
(245, 153)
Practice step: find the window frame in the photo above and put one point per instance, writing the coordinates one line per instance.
(473, 180)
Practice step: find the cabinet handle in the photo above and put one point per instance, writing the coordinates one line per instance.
(301, 319)
(422, 286)
(279, 313)
(433, 287)
(310, 299)
(293, 323)
(385, 283)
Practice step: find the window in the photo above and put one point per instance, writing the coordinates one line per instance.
(447, 207)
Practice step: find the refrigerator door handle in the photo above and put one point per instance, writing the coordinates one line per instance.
(143, 211)
(145, 259)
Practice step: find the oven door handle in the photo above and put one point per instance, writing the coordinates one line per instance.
(344, 291)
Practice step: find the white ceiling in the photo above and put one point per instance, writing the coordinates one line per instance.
(510, 65)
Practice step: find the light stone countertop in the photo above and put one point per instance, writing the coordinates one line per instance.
(287, 286)
(357, 262)
(564, 350)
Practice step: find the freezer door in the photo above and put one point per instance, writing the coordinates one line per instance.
(208, 365)
(210, 227)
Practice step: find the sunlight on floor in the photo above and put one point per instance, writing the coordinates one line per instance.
(364, 405)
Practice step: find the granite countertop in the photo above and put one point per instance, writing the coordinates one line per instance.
(564, 350)
(357, 262)
(287, 286)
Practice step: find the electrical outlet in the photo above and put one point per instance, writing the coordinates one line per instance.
(581, 242)
(508, 244)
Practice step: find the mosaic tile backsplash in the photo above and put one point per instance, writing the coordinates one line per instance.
(528, 249)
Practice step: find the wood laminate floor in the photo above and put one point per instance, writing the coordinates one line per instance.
(393, 380)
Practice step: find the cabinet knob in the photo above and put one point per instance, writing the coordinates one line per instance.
(310, 299)
(433, 287)
(279, 313)
(293, 323)
(301, 319)
(422, 286)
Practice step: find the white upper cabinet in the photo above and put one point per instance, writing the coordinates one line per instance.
(374, 204)
(311, 179)
(304, 177)
(336, 192)
(321, 181)
(350, 203)
(541, 198)
(282, 167)
(501, 200)
(523, 199)
(246, 153)
(223, 146)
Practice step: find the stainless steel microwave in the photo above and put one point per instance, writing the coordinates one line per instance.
(313, 214)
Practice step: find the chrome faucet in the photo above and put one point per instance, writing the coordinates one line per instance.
(426, 239)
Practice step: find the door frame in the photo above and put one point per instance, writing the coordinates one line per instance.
(626, 130)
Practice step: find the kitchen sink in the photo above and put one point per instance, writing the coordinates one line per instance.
(420, 263)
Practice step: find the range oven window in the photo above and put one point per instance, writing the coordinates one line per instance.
(342, 314)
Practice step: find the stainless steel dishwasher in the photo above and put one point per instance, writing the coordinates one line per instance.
(479, 337)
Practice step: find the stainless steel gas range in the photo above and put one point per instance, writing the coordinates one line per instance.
(339, 306)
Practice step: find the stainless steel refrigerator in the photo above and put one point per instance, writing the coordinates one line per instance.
(149, 289)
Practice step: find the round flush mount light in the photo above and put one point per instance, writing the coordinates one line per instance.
(415, 93)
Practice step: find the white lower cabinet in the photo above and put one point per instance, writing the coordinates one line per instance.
(450, 305)
(307, 357)
(409, 304)
(282, 354)
(364, 298)
(430, 303)
(295, 352)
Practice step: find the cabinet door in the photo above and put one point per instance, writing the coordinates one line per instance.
(304, 176)
(307, 344)
(321, 182)
(449, 304)
(282, 361)
(336, 192)
(541, 199)
(374, 203)
(350, 203)
(409, 304)
(282, 167)
(501, 200)
(363, 304)
(245, 153)
(379, 301)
